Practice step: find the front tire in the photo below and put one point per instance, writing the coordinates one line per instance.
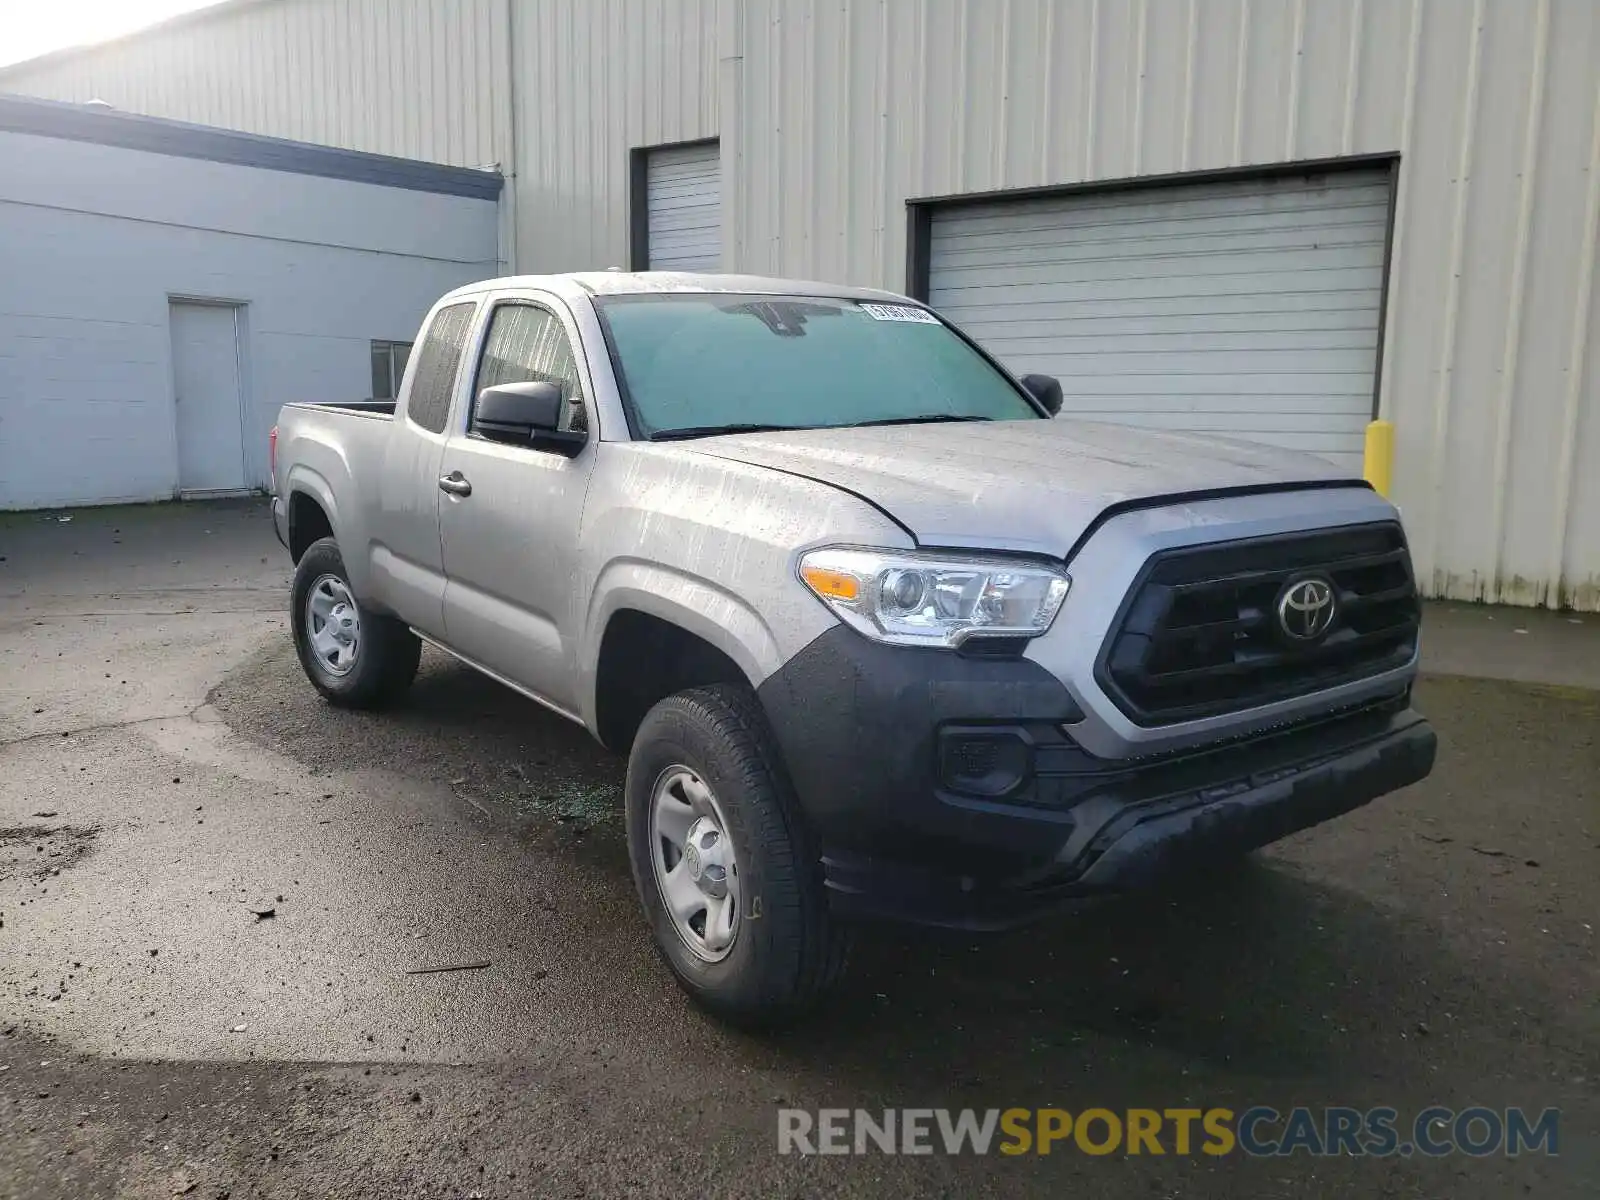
(356, 659)
(724, 865)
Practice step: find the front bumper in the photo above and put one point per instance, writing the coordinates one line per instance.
(949, 791)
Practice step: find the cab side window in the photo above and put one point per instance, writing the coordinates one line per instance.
(526, 344)
(438, 360)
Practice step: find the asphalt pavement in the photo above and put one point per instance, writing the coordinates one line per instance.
(222, 904)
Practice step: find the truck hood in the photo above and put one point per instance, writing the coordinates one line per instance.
(1032, 486)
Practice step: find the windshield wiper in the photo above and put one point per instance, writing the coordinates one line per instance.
(928, 420)
(699, 431)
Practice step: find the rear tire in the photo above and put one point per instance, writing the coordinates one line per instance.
(781, 951)
(355, 658)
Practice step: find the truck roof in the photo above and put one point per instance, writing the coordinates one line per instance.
(631, 283)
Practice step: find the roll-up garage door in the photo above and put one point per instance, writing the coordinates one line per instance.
(1243, 308)
(683, 199)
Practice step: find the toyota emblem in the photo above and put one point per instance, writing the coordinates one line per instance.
(1306, 609)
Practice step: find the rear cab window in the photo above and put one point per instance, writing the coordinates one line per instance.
(438, 363)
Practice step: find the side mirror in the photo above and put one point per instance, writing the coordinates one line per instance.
(1046, 389)
(525, 414)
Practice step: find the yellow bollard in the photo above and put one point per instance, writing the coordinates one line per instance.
(1379, 468)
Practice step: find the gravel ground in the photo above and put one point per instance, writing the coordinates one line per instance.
(165, 770)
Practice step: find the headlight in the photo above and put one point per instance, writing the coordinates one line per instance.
(913, 599)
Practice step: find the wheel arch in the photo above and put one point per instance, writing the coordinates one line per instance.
(655, 633)
(313, 512)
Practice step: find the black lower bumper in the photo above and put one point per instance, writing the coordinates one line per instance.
(945, 790)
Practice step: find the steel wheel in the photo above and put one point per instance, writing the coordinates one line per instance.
(694, 863)
(333, 624)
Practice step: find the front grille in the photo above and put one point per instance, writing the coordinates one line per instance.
(1199, 633)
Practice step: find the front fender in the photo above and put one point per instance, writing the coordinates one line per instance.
(695, 605)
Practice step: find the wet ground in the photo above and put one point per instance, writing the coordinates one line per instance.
(166, 776)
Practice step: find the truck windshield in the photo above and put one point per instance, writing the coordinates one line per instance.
(698, 364)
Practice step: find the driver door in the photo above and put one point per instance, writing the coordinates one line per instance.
(509, 537)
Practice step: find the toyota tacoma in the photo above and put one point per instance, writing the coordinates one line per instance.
(880, 634)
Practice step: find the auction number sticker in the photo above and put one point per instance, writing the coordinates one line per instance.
(899, 312)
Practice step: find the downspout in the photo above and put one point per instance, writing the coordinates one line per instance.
(730, 134)
(508, 157)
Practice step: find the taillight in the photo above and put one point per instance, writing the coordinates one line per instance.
(272, 454)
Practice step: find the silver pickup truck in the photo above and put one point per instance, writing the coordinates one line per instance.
(880, 636)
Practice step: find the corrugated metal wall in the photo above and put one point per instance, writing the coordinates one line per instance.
(414, 78)
(847, 109)
(594, 79)
(834, 112)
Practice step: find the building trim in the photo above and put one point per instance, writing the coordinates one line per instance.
(920, 209)
(639, 197)
(1383, 292)
(156, 135)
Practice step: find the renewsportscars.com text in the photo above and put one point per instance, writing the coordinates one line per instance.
(1257, 1132)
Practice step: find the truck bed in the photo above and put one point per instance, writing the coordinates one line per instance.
(367, 408)
(338, 448)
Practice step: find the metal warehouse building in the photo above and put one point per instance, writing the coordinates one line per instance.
(1274, 219)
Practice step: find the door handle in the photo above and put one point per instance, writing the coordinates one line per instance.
(455, 483)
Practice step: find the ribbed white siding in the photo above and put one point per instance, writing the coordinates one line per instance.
(596, 79)
(412, 78)
(1245, 308)
(1491, 365)
(683, 203)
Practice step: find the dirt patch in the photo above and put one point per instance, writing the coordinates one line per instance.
(41, 851)
(453, 727)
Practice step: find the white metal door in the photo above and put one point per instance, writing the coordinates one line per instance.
(205, 375)
(683, 199)
(1245, 308)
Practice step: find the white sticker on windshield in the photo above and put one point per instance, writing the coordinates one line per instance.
(899, 312)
